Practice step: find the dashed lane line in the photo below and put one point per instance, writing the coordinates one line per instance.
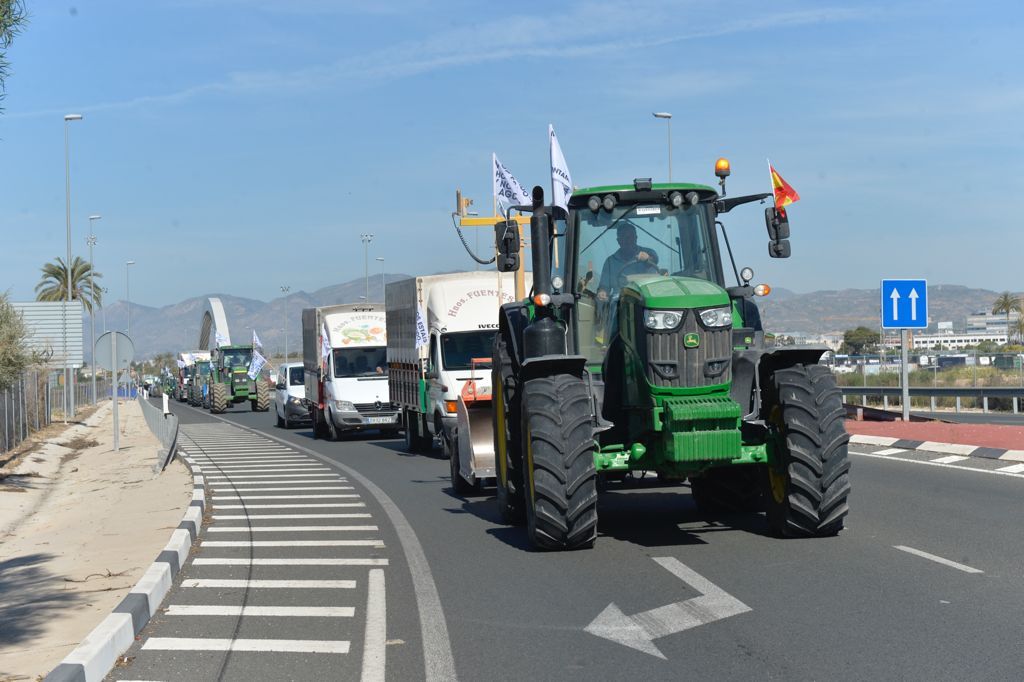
(292, 646)
(236, 498)
(890, 451)
(271, 584)
(937, 559)
(272, 611)
(375, 635)
(1012, 469)
(321, 481)
(293, 543)
(263, 517)
(291, 529)
(250, 561)
(950, 459)
(330, 505)
(213, 477)
(995, 472)
(266, 490)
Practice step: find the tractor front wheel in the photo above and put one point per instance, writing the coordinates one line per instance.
(808, 478)
(262, 401)
(561, 490)
(218, 398)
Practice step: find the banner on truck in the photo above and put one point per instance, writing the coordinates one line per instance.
(422, 335)
(325, 344)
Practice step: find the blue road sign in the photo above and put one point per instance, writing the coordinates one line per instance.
(904, 303)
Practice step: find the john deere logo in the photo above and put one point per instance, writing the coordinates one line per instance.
(691, 340)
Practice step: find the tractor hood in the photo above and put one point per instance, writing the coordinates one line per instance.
(658, 291)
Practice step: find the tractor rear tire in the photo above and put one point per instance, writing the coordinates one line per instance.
(506, 412)
(218, 398)
(561, 506)
(262, 402)
(808, 483)
(729, 489)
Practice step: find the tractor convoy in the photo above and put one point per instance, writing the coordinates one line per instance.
(633, 345)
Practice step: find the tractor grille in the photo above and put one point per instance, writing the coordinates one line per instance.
(372, 410)
(671, 365)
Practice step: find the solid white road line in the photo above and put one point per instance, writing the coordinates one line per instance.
(299, 506)
(1012, 469)
(283, 611)
(976, 470)
(937, 559)
(292, 529)
(266, 490)
(243, 517)
(889, 451)
(223, 484)
(375, 636)
(236, 498)
(259, 469)
(293, 543)
(206, 561)
(273, 584)
(213, 477)
(948, 460)
(297, 646)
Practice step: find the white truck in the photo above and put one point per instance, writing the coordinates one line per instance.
(439, 359)
(344, 350)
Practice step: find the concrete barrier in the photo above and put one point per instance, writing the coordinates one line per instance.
(164, 427)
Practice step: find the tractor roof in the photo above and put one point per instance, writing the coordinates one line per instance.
(662, 186)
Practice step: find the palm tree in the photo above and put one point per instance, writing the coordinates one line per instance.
(1007, 303)
(54, 284)
(1018, 329)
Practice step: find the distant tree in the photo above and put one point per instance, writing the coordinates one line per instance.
(12, 19)
(54, 284)
(15, 356)
(1017, 330)
(1007, 303)
(860, 340)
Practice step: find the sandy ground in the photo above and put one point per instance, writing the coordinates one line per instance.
(79, 524)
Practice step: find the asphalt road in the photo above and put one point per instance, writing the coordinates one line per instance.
(926, 582)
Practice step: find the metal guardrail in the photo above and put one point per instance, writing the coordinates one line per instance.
(164, 427)
(983, 393)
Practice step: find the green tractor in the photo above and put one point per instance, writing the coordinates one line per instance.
(633, 354)
(199, 387)
(229, 381)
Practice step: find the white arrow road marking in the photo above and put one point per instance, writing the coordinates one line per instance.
(638, 631)
(913, 303)
(895, 296)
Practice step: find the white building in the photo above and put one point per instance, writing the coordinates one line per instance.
(956, 341)
(986, 322)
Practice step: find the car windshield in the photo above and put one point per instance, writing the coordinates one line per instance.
(459, 349)
(360, 362)
(237, 357)
(296, 376)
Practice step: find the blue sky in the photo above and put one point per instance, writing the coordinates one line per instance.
(224, 133)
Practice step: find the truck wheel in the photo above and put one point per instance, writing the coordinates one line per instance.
(729, 489)
(218, 398)
(561, 506)
(808, 481)
(280, 422)
(506, 412)
(332, 430)
(414, 442)
(451, 445)
(262, 402)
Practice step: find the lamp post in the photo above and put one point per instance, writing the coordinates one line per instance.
(69, 402)
(128, 296)
(285, 290)
(104, 308)
(380, 259)
(668, 118)
(91, 241)
(366, 238)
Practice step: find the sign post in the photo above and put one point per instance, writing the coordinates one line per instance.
(113, 352)
(904, 306)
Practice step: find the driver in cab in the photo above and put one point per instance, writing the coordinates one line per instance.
(630, 259)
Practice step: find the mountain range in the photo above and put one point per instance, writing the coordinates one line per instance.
(175, 327)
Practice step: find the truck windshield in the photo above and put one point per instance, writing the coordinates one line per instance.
(459, 349)
(360, 362)
(237, 357)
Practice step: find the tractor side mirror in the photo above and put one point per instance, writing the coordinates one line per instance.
(506, 242)
(777, 222)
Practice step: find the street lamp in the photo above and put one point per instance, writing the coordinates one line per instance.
(366, 238)
(285, 290)
(69, 403)
(104, 308)
(668, 117)
(380, 259)
(91, 241)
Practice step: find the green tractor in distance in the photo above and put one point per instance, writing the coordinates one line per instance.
(633, 353)
(229, 381)
(199, 387)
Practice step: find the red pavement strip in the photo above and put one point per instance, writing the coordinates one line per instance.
(993, 436)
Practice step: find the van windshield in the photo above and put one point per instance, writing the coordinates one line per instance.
(459, 349)
(296, 376)
(360, 362)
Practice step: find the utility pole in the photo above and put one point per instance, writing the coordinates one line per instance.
(366, 239)
(69, 372)
(91, 241)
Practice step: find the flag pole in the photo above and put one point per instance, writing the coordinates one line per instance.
(771, 181)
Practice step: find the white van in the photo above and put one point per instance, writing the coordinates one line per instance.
(290, 395)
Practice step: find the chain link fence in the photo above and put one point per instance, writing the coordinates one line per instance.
(36, 400)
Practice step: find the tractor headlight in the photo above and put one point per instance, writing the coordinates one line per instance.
(662, 320)
(345, 406)
(716, 317)
(594, 203)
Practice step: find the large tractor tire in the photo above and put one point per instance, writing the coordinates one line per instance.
(262, 401)
(414, 442)
(729, 489)
(506, 411)
(561, 490)
(808, 481)
(218, 398)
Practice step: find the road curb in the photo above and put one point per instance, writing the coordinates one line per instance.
(95, 657)
(947, 448)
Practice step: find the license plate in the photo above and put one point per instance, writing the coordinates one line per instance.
(380, 420)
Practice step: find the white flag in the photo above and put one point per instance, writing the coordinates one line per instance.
(256, 343)
(561, 181)
(325, 344)
(507, 190)
(220, 339)
(181, 364)
(422, 335)
(258, 361)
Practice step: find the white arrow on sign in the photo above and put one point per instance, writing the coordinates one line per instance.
(638, 631)
(895, 296)
(913, 303)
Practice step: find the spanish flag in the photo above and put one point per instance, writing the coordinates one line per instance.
(784, 192)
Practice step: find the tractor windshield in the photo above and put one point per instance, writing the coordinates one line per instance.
(203, 369)
(237, 357)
